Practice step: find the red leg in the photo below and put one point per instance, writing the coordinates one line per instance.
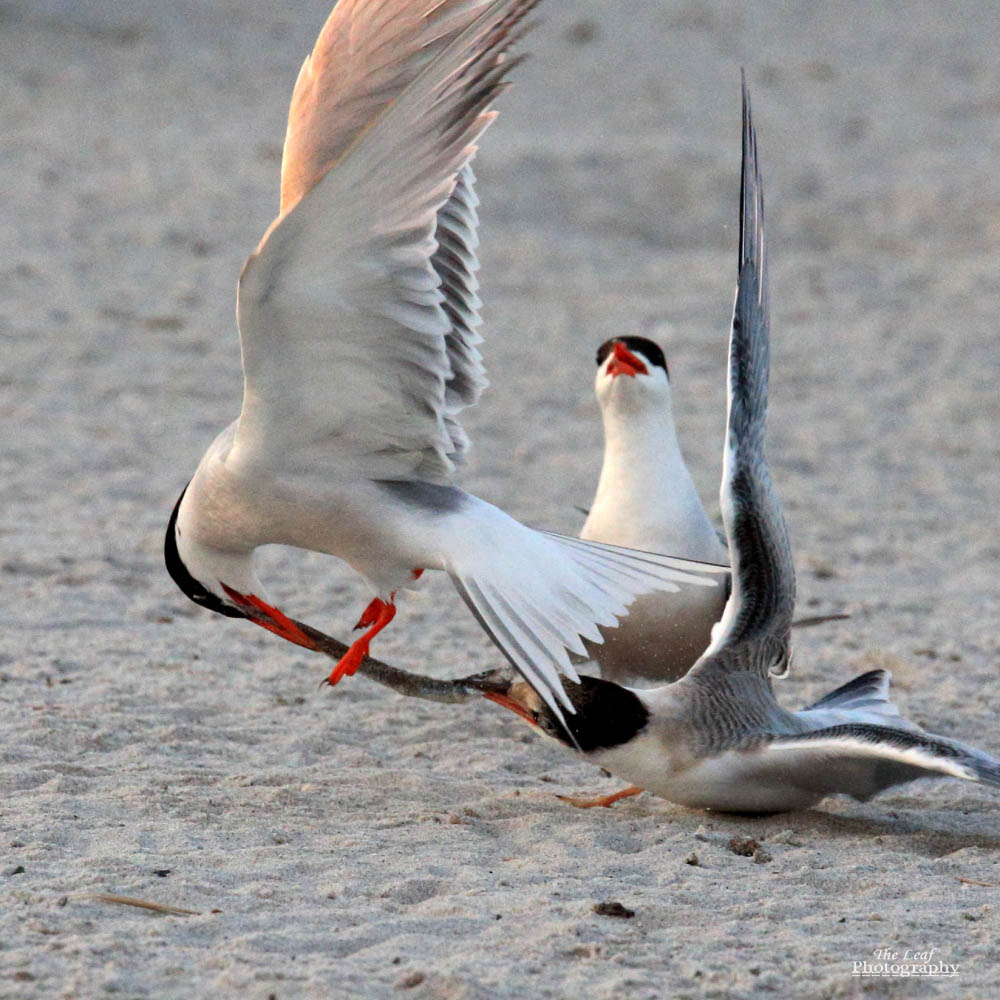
(266, 616)
(370, 615)
(384, 612)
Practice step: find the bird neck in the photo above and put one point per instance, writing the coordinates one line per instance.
(645, 495)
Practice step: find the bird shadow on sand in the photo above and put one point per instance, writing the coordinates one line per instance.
(931, 831)
(934, 833)
(929, 828)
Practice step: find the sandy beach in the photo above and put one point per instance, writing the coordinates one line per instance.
(350, 843)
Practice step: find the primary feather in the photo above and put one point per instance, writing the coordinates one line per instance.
(754, 631)
(377, 226)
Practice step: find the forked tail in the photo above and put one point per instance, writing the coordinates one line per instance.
(864, 699)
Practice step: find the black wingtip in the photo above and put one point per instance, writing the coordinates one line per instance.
(751, 185)
(743, 164)
(745, 91)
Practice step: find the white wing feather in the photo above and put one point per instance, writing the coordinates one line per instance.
(544, 593)
(344, 322)
(366, 54)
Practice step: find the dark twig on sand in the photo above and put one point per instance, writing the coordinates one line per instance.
(820, 619)
(410, 684)
(143, 904)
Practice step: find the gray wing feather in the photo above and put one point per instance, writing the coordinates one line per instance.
(754, 631)
(358, 312)
(861, 760)
(869, 690)
(456, 264)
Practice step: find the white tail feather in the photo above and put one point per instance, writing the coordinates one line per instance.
(539, 594)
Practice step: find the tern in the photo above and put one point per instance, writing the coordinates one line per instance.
(358, 316)
(647, 499)
(718, 738)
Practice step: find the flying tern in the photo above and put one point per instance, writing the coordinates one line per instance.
(358, 317)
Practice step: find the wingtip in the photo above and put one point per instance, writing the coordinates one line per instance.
(752, 248)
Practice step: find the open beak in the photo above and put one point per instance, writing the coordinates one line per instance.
(625, 362)
(516, 707)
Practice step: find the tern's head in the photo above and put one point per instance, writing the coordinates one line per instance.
(631, 375)
(607, 714)
(183, 574)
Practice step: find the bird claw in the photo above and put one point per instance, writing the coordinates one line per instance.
(371, 614)
(376, 616)
(348, 664)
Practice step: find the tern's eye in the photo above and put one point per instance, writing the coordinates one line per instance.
(604, 351)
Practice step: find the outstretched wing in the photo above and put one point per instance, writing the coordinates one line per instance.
(862, 760)
(754, 631)
(364, 58)
(358, 311)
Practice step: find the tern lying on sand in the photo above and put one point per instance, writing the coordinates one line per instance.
(358, 315)
(717, 738)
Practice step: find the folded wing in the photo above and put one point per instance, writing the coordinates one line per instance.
(862, 760)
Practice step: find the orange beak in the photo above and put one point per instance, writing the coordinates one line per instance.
(625, 362)
(261, 613)
(502, 699)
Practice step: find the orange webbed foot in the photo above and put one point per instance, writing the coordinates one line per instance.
(375, 617)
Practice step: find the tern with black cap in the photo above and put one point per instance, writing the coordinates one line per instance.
(358, 316)
(647, 499)
(718, 738)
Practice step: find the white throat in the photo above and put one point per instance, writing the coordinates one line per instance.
(645, 496)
